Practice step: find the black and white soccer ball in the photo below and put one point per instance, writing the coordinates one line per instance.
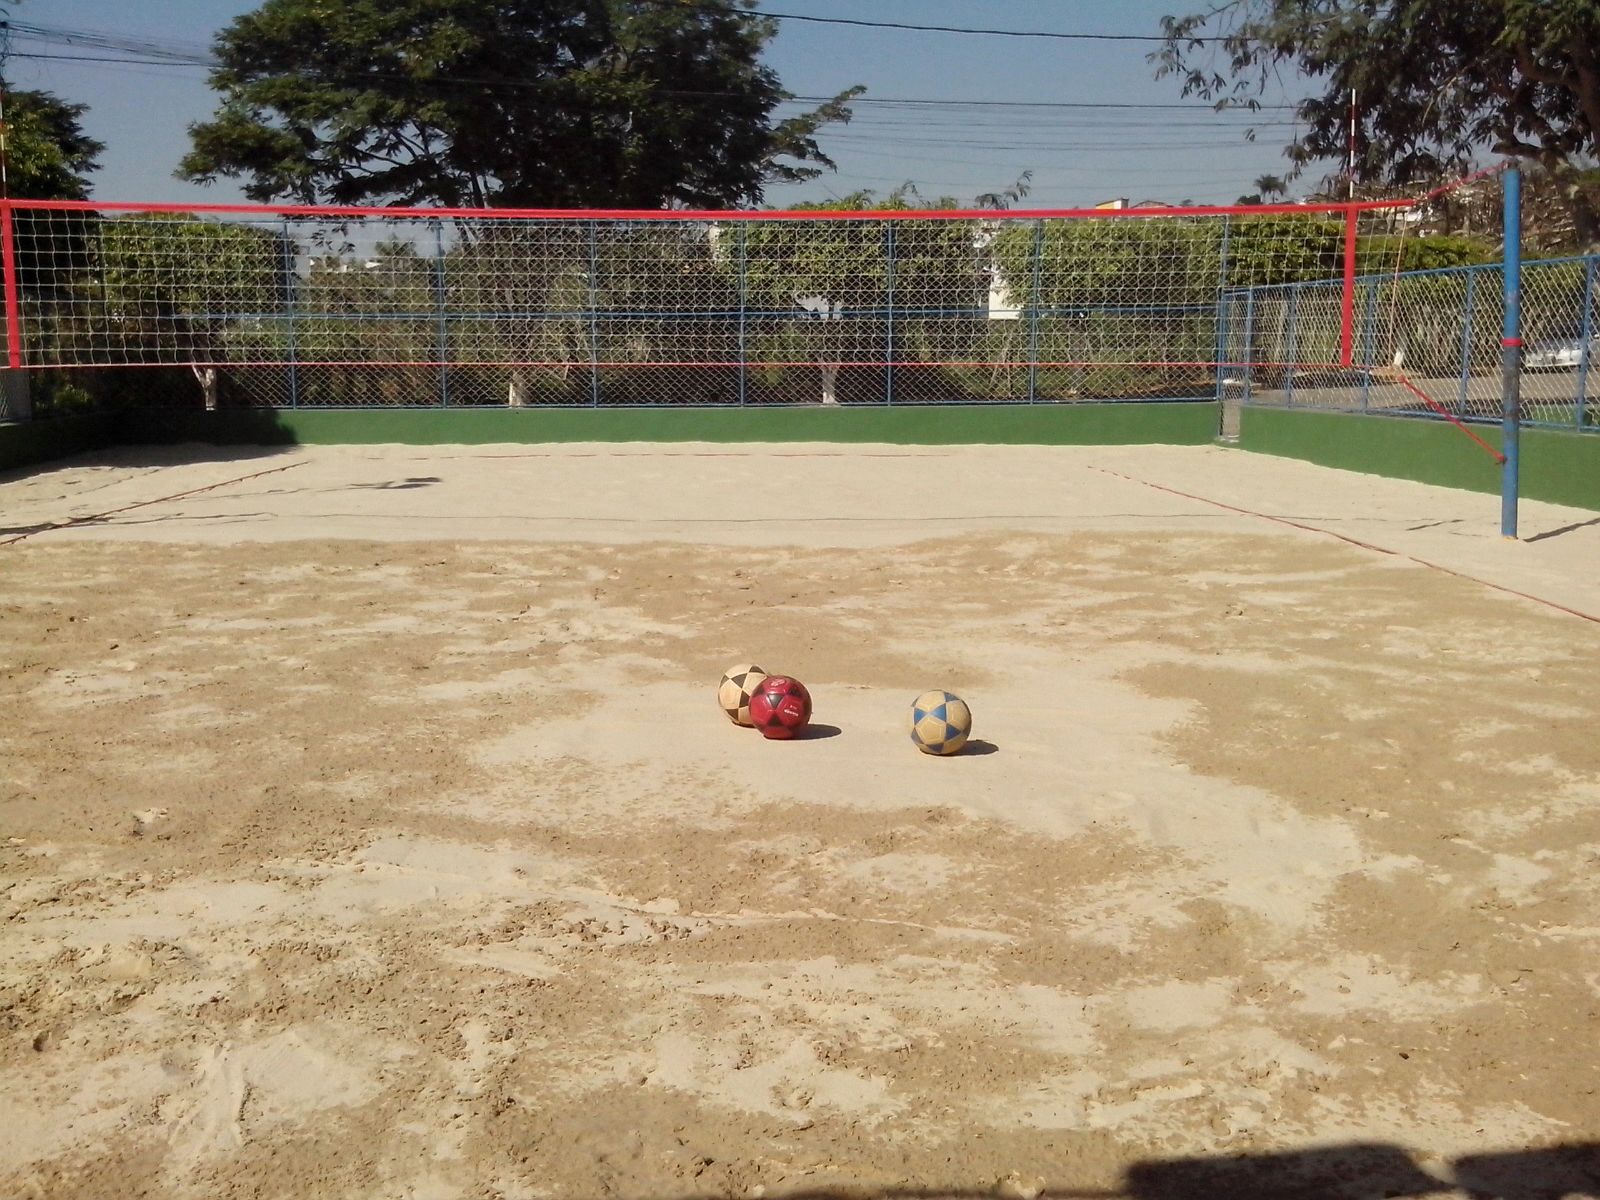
(734, 692)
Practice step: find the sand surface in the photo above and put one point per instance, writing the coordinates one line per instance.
(367, 828)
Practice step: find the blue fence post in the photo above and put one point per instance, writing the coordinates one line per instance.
(594, 314)
(1466, 344)
(1369, 337)
(290, 257)
(1035, 302)
(1511, 355)
(1223, 300)
(1580, 410)
(888, 249)
(1247, 372)
(441, 308)
(744, 306)
(1293, 304)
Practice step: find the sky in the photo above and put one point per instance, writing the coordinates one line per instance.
(1077, 155)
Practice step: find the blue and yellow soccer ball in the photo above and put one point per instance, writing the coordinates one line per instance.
(940, 723)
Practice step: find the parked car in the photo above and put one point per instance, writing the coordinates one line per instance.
(1559, 354)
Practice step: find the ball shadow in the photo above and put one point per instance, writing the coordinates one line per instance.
(976, 747)
(815, 732)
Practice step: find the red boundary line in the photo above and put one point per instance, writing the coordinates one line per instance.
(1450, 416)
(1421, 562)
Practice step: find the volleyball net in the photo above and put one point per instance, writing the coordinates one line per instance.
(303, 306)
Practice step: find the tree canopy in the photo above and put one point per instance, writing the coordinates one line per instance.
(48, 155)
(558, 103)
(1437, 82)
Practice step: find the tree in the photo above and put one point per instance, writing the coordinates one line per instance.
(1270, 186)
(1113, 296)
(1436, 81)
(544, 103)
(849, 294)
(48, 156)
(163, 288)
(1005, 198)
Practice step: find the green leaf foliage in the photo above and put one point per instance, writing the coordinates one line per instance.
(916, 286)
(1436, 81)
(536, 103)
(165, 288)
(48, 156)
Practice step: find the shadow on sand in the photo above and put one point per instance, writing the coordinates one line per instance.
(1353, 1171)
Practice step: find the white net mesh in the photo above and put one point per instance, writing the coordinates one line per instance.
(403, 307)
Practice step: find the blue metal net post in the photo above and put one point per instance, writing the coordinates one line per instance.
(888, 313)
(1586, 344)
(1035, 302)
(440, 292)
(291, 280)
(1511, 354)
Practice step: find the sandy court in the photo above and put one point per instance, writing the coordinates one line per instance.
(369, 828)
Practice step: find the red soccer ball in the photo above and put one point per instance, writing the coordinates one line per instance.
(780, 707)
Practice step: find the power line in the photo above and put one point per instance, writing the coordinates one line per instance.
(180, 54)
(961, 29)
(947, 102)
(932, 102)
(1036, 147)
(884, 114)
(978, 123)
(1016, 160)
(867, 135)
(108, 40)
(175, 50)
(1012, 33)
(94, 58)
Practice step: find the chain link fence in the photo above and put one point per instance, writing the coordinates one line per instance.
(407, 308)
(1433, 334)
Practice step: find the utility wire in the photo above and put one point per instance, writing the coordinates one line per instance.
(180, 54)
(1092, 104)
(96, 58)
(155, 46)
(912, 102)
(883, 113)
(886, 113)
(858, 22)
(931, 101)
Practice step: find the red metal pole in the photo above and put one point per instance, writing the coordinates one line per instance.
(1347, 319)
(8, 260)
